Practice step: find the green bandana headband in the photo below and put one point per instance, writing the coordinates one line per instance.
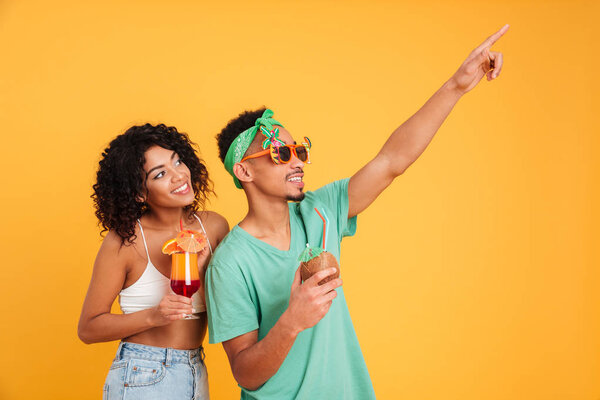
(240, 144)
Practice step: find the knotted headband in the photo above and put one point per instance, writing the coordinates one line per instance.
(240, 144)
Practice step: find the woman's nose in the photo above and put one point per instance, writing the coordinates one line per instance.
(178, 175)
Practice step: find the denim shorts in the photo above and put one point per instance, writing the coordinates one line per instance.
(147, 372)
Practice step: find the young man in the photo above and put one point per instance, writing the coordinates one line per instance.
(288, 339)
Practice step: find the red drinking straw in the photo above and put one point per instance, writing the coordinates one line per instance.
(324, 229)
(181, 223)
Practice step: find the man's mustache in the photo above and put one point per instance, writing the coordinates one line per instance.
(297, 171)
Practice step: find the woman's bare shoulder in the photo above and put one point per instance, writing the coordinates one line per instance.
(215, 222)
(115, 249)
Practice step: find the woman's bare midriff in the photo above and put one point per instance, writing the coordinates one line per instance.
(182, 335)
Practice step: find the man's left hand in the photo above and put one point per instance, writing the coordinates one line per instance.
(479, 63)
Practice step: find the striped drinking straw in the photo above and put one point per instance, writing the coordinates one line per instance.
(325, 231)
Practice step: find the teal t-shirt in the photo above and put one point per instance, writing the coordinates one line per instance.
(248, 286)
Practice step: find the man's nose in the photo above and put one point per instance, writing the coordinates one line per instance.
(296, 162)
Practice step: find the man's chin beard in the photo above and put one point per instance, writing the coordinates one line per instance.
(298, 197)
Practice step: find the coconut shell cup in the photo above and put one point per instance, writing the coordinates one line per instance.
(323, 261)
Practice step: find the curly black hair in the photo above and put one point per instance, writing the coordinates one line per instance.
(120, 180)
(245, 120)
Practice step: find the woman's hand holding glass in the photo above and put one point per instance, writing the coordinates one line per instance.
(171, 308)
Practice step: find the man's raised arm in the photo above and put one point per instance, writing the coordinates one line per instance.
(411, 138)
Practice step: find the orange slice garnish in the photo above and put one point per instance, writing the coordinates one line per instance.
(170, 247)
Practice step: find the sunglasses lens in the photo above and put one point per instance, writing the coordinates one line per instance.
(302, 153)
(284, 153)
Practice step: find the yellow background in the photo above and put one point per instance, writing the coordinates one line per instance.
(475, 276)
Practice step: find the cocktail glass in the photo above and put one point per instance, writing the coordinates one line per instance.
(185, 278)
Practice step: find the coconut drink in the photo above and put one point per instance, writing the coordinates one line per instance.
(315, 259)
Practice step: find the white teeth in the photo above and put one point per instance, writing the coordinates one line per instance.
(181, 188)
(295, 179)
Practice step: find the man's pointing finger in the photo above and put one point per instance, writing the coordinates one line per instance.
(492, 39)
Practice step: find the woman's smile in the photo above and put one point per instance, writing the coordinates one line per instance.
(183, 189)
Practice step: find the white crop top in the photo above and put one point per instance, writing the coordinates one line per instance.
(152, 286)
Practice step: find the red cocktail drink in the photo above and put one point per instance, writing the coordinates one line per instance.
(184, 249)
(185, 279)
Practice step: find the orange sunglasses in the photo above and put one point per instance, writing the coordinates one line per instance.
(283, 154)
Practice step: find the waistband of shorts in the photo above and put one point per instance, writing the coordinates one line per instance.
(166, 355)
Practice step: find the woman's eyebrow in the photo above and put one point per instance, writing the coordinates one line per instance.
(157, 167)
(160, 166)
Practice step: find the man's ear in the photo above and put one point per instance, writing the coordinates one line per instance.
(242, 172)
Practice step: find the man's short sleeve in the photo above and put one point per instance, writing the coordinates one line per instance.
(231, 311)
(335, 196)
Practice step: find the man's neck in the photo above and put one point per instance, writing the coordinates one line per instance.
(269, 221)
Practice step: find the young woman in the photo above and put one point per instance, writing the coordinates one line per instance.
(149, 179)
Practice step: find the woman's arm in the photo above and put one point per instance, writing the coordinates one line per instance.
(96, 323)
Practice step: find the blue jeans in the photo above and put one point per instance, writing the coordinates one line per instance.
(146, 372)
